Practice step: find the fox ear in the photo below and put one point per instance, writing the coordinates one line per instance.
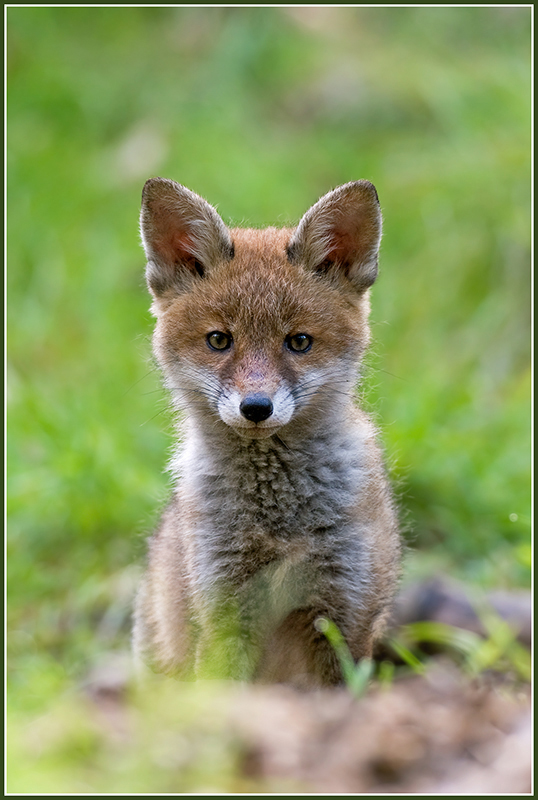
(340, 235)
(183, 236)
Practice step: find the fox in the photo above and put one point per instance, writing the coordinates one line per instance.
(282, 513)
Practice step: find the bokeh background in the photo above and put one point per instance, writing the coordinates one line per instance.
(261, 111)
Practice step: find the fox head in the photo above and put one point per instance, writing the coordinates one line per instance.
(260, 329)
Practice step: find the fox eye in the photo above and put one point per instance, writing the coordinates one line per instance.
(299, 343)
(218, 340)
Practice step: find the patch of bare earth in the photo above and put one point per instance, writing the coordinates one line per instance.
(433, 734)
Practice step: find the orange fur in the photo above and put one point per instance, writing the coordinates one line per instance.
(282, 511)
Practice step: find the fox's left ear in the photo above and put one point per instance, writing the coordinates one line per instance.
(340, 234)
(183, 237)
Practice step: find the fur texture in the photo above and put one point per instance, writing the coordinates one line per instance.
(282, 512)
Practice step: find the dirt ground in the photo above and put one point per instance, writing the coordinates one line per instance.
(425, 734)
(436, 733)
(440, 732)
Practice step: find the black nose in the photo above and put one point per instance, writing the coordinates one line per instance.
(256, 407)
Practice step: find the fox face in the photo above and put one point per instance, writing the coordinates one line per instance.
(260, 329)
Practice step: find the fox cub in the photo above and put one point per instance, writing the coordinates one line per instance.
(282, 512)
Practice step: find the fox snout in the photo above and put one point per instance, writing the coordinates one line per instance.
(256, 412)
(256, 407)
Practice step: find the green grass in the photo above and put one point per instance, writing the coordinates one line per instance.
(260, 110)
(356, 675)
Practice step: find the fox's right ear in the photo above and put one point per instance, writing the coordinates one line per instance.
(340, 235)
(183, 237)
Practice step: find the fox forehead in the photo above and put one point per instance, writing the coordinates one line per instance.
(264, 247)
(260, 293)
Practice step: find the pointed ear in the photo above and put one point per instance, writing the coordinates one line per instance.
(340, 235)
(183, 237)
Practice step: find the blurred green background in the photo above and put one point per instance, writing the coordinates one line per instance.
(261, 111)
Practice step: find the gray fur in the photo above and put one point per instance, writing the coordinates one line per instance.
(276, 523)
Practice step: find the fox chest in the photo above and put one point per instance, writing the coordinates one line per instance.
(277, 496)
(272, 514)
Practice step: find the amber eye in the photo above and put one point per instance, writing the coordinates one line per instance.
(299, 343)
(218, 340)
